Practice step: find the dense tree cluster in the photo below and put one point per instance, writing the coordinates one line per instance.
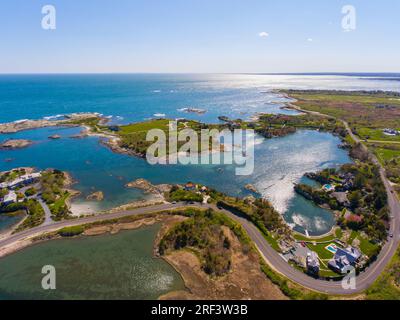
(203, 234)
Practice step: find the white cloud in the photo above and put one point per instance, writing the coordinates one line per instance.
(310, 40)
(263, 34)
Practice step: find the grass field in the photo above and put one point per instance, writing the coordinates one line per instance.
(389, 156)
(133, 136)
(145, 126)
(301, 237)
(387, 286)
(359, 109)
(320, 249)
(385, 152)
(375, 134)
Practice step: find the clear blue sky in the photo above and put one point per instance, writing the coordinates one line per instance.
(199, 36)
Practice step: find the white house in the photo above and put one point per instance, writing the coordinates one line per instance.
(391, 132)
(22, 180)
(9, 198)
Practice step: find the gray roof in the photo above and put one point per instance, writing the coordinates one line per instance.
(344, 258)
(312, 259)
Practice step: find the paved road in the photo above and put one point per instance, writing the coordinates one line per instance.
(47, 213)
(392, 244)
(269, 254)
(365, 279)
(384, 141)
(67, 223)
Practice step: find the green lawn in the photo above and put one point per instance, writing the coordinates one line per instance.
(353, 235)
(319, 248)
(338, 233)
(375, 134)
(145, 126)
(301, 237)
(184, 195)
(59, 208)
(359, 109)
(384, 154)
(328, 273)
(386, 287)
(366, 246)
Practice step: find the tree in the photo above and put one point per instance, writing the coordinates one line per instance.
(3, 193)
(355, 199)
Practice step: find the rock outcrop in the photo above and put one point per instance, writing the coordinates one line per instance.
(251, 188)
(96, 196)
(15, 144)
(148, 187)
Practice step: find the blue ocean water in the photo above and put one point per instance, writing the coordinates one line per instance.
(279, 162)
(7, 221)
(136, 97)
(132, 97)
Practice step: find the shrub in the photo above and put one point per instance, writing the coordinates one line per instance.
(71, 231)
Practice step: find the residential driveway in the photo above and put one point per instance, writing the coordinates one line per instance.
(48, 220)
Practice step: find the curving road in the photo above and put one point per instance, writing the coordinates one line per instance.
(69, 223)
(272, 257)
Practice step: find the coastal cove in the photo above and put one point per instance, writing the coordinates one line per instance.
(107, 178)
(118, 266)
(7, 221)
(281, 163)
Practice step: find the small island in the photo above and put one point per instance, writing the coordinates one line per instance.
(13, 144)
(96, 196)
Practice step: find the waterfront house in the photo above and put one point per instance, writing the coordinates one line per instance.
(341, 197)
(344, 258)
(21, 181)
(10, 198)
(312, 263)
(354, 252)
(347, 182)
(339, 264)
(391, 132)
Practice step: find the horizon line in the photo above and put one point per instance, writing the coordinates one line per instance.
(207, 73)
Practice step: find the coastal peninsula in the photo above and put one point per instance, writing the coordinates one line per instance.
(74, 119)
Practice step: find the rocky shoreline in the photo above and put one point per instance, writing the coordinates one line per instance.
(26, 124)
(148, 187)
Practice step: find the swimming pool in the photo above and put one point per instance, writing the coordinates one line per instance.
(332, 248)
